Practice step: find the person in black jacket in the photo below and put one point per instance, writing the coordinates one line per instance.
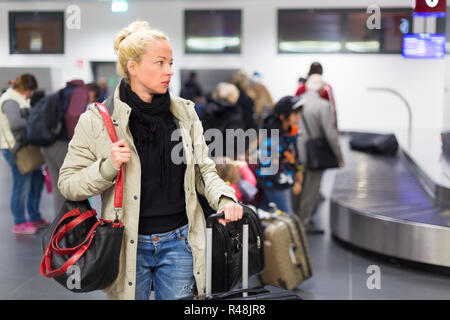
(191, 89)
(222, 112)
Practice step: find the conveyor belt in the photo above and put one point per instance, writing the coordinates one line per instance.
(378, 204)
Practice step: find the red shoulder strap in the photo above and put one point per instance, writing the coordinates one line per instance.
(118, 191)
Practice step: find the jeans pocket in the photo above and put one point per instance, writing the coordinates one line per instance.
(187, 245)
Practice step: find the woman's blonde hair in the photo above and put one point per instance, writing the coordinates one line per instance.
(241, 79)
(226, 92)
(130, 44)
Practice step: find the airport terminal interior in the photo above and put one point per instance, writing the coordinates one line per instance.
(379, 227)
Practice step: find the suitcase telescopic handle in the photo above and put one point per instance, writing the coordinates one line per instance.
(209, 223)
(213, 217)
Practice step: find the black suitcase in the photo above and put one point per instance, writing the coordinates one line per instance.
(227, 250)
(383, 144)
(260, 293)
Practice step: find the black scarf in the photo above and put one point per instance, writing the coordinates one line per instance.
(148, 125)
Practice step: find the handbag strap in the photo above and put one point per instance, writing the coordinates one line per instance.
(54, 242)
(118, 191)
(45, 267)
(306, 125)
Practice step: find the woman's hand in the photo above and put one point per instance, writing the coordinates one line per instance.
(120, 153)
(233, 212)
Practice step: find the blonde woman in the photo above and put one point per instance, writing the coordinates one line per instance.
(164, 239)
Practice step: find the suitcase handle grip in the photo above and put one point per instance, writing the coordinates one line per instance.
(210, 220)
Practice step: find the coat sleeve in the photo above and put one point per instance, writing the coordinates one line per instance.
(14, 115)
(208, 182)
(82, 175)
(329, 129)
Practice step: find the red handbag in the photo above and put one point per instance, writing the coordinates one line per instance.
(78, 242)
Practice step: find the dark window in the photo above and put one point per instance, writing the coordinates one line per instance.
(341, 31)
(36, 32)
(212, 31)
(393, 25)
(358, 37)
(301, 31)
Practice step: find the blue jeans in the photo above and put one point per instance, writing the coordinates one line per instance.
(282, 198)
(166, 260)
(25, 187)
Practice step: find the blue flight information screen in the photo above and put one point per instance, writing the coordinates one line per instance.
(424, 45)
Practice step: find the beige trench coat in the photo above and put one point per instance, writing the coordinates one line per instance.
(87, 171)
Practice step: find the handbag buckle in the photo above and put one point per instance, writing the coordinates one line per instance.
(116, 212)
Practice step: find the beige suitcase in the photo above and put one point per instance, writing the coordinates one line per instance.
(287, 260)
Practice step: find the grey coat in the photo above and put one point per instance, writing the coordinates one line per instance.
(319, 116)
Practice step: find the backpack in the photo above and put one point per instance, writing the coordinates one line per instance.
(77, 105)
(44, 125)
(55, 116)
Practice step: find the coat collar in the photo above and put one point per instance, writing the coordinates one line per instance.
(178, 107)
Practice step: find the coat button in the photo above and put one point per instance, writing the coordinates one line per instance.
(131, 241)
(135, 198)
(130, 283)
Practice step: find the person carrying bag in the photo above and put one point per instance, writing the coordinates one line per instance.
(77, 243)
(23, 159)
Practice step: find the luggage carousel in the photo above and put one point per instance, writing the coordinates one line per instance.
(391, 206)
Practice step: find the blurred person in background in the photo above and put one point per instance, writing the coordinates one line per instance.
(94, 92)
(192, 91)
(263, 100)
(319, 117)
(326, 92)
(15, 104)
(277, 185)
(75, 97)
(246, 97)
(37, 95)
(238, 175)
(223, 112)
(103, 84)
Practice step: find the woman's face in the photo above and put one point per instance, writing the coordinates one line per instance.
(152, 75)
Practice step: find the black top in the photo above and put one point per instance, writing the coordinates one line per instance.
(162, 203)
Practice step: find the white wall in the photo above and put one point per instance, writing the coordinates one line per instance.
(420, 81)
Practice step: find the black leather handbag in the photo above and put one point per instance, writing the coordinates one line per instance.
(319, 155)
(227, 251)
(82, 252)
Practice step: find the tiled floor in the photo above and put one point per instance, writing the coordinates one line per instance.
(338, 272)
